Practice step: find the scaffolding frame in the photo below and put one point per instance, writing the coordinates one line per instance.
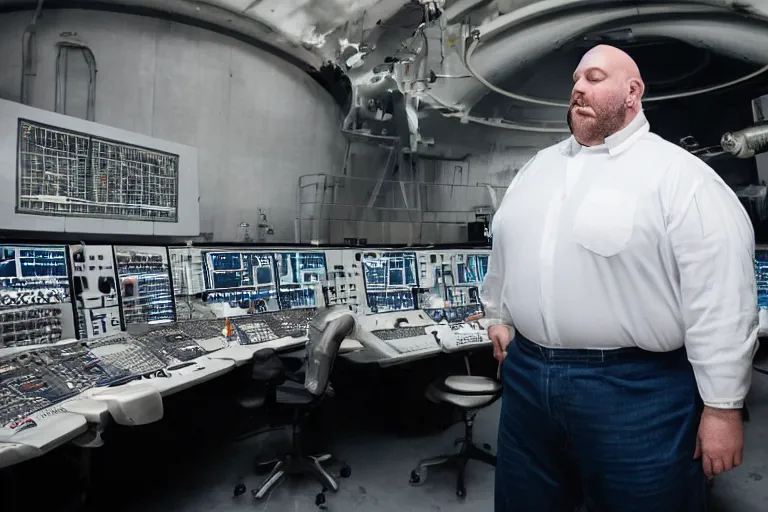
(387, 211)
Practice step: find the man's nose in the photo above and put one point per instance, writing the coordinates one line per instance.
(578, 90)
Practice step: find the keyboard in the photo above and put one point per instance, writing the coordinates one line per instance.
(252, 331)
(411, 345)
(399, 333)
(408, 342)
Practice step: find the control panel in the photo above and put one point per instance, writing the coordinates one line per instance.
(94, 281)
(35, 302)
(28, 385)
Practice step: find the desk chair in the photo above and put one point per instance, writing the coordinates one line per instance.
(470, 394)
(302, 391)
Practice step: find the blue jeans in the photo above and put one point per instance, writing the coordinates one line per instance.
(613, 430)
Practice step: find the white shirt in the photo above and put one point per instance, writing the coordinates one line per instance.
(632, 243)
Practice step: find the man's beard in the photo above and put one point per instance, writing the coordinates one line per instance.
(608, 120)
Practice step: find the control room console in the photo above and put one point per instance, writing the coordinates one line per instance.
(91, 334)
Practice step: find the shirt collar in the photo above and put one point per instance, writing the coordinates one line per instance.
(616, 143)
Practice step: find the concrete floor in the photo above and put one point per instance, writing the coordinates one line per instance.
(381, 465)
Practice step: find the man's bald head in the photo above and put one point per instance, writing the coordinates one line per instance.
(606, 96)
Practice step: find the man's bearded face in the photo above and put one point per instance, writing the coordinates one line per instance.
(597, 111)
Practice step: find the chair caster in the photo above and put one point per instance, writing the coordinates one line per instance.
(345, 471)
(320, 500)
(418, 477)
(461, 493)
(239, 489)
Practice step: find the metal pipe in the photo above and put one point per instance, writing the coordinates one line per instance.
(62, 63)
(444, 158)
(28, 54)
(508, 125)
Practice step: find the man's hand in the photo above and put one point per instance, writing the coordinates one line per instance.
(720, 442)
(500, 336)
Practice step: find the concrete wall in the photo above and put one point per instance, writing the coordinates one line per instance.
(258, 122)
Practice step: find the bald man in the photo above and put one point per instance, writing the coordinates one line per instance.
(622, 302)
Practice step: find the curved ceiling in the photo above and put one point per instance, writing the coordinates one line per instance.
(518, 52)
(519, 48)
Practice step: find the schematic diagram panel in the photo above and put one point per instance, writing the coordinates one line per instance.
(66, 173)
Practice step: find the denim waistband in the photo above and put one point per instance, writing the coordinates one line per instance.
(566, 355)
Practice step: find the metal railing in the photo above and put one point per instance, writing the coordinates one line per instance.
(332, 208)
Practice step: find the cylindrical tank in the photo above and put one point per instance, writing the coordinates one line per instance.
(746, 143)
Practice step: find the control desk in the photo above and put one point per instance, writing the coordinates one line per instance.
(145, 322)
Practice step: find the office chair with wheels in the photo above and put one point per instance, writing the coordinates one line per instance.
(470, 394)
(301, 392)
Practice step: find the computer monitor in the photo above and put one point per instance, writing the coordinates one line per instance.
(35, 302)
(301, 276)
(472, 270)
(28, 267)
(145, 284)
(463, 288)
(390, 278)
(761, 276)
(239, 281)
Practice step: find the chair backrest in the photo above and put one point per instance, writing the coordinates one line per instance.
(325, 337)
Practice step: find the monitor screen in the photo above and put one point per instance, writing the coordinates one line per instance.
(301, 277)
(464, 288)
(35, 302)
(33, 275)
(390, 278)
(473, 269)
(239, 282)
(145, 284)
(761, 275)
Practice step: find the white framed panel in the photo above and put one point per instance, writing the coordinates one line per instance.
(15, 212)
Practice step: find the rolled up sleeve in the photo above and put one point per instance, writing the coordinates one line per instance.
(713, 244)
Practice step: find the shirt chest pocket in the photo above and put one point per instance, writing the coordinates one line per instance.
(604, 221)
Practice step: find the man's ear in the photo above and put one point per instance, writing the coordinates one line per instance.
(636, 91)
